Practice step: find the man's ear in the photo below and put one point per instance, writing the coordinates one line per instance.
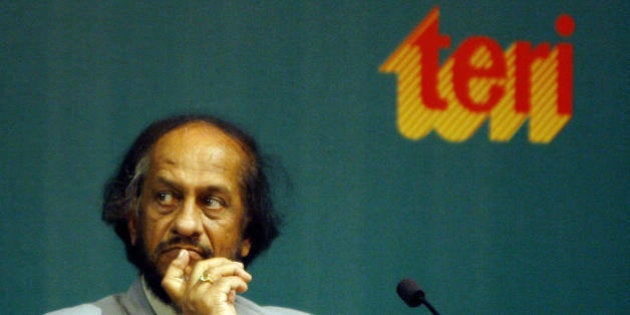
(246, 245)
(132, 226)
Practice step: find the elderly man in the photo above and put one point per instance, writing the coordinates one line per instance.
(191, 203)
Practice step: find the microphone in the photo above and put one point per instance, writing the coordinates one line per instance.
(410, 292)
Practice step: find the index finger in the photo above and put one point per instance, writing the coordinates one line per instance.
(174, 281)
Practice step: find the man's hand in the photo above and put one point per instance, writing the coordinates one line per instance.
(215, 294)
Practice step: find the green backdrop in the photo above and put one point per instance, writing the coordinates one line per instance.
(484, 227)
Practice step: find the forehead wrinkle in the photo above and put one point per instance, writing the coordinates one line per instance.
(191, 134)
(200, 147)
(198, 156)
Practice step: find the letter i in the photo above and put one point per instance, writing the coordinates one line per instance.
(565, 26)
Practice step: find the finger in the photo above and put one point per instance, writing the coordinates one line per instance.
(232, 297)
(203, 265)
(230, 269)
(216, 268)
(237, 285)
(218, 297)
(174, 281)
(226, 286)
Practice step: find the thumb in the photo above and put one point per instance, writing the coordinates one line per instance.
(175, 278)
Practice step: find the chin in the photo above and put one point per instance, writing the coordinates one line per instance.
(153, 269)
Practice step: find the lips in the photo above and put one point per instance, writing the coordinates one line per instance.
(193, 252)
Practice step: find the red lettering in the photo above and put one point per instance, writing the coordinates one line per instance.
(464, 71)
(523, 73)
(481, 81)
(565, 26)
(429, 43)
(565, 79)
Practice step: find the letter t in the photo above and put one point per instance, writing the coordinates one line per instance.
(429, 42)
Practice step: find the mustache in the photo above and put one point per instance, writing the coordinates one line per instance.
(184, 242)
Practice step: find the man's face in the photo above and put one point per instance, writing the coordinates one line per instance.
(192, 198)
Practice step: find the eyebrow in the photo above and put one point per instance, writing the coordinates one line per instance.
(174, 185)
(167, 182)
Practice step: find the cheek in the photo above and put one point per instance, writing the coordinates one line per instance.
(153, 230)
(225, 238)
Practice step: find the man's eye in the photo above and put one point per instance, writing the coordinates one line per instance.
(212, 202)
(165, 198)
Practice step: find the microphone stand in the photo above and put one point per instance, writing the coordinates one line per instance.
(430, 307)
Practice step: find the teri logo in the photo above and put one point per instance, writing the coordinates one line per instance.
(480, 82)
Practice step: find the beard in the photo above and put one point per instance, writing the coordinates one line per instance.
(148, 262)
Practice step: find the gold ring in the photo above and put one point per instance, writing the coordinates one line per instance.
(205, 277)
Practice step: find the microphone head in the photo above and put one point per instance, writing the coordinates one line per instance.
(410, 292)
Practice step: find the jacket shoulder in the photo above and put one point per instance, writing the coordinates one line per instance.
(83, 309)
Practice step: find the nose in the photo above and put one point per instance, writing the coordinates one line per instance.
(188, 219)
